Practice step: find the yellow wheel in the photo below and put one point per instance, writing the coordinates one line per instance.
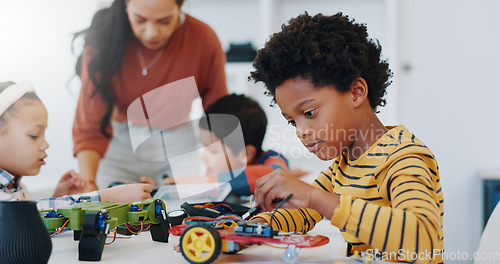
(200, 243)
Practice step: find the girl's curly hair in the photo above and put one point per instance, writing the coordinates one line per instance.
(327, 50)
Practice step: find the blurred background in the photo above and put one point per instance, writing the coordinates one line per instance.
(444, 55)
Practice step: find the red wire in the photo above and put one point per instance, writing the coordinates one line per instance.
(212, 206)
(128, 227)
(114, 237)
(58, 231)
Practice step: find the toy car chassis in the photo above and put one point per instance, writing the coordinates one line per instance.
(92, 221)
(202, 242)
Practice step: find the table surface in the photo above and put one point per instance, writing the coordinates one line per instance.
(141, 249)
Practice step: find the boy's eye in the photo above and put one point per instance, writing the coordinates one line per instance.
(310, 113)
(165, 22)
(291, 122)
(33, 137)
(140, 21)
(213, 150)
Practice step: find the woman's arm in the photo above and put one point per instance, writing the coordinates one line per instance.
(89, 144)
(88, 161)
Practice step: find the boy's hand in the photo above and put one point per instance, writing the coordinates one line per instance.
(148, 180)
(127, 193)
(70, 183)
(279, 184)
(168, 181)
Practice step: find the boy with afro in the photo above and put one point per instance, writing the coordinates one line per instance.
(383, 189)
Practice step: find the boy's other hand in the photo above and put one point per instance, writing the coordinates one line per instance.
(148, 180)
(185, 180)
(70, 183)
(127, 193)
(279, 184)
(297, 173)
(165, 181)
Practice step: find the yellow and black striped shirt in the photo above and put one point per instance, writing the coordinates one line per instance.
(390, 199)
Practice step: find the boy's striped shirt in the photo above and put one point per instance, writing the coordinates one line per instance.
(390, 199)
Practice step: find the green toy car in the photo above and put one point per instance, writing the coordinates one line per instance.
(92, 221)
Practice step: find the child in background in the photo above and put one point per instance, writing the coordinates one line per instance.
(247, 160)
(23, 120)
(383, 189)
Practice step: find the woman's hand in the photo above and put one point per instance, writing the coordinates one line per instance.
(279, 184)
(88, 161)
(90, 186)
(127, 193)
(70, 183)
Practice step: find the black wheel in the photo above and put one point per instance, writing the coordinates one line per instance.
(93, 237)
(91, 223)
(200, 243)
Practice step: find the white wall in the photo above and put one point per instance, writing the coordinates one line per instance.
(35, 39)
(448, 97)
(255, 21)
(444, 56)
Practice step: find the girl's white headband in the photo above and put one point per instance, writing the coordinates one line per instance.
(13, 93)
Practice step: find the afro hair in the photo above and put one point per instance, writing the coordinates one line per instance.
(327, 50)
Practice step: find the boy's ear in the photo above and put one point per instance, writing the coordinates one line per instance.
(248, 155)
(359, 91)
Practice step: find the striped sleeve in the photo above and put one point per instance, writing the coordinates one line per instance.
(292, 220)
(299, 220)
(412, 222)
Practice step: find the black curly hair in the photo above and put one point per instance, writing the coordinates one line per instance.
(327, 50)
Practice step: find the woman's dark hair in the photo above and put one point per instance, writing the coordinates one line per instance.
(107, 34)
(327, 50)
(248, 112)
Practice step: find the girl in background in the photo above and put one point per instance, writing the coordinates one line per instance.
(23, 121)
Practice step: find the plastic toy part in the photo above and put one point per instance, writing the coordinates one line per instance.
(176, 217)
(134, 208)
(291, 254)
(93, 236)
(202, 238)
(200, 243)
(255, 229)
(92, 221)
(159, 231)
(53, 214)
